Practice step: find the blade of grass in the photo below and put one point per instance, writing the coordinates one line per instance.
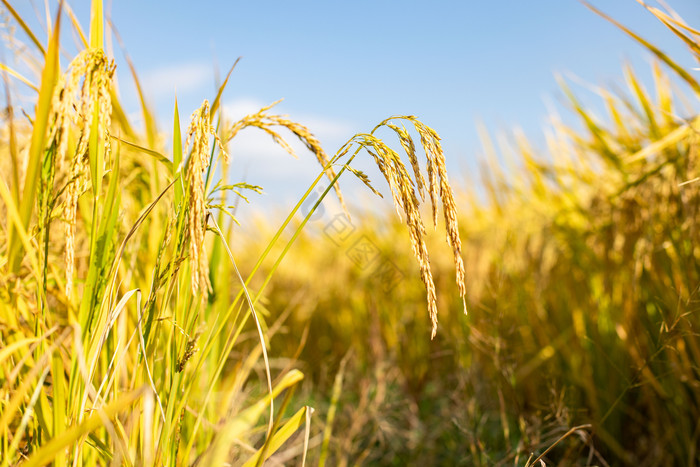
(280, 437)
(18, 76)
(119, 116)
(652, 48)
(667, 141)
(58, 410)
(217, 99)
(48, 452)
(18, 395)
(561, 438)
(177, 155)
(27, 30)
(150, 152)
(12, 137)
(675, 26)
(26, 417)
(76, 25)
(264, 452)
(97, 29)
(19, 229)
(9, 349)
(644, 101)
(330, 417)
(49, 77)
(251, 305)
(245, 419)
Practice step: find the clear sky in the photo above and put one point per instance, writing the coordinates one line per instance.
(344, 66)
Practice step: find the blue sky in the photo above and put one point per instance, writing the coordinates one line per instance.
(344, 66)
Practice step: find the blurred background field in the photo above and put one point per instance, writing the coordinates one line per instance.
(580, 244)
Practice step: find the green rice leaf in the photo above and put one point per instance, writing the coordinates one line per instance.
(49, 77)
(150, 152)
(25, 27)
(217, 99)
(644, 101)
(76, 25)
(18, 76)
(653, 49)
(280, 437)
(97, 29)
(177, 155)
(97, 419)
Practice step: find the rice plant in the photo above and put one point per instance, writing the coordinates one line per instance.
(125, 318)
(131, 334)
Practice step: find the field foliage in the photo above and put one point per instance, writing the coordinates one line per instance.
(130, 333)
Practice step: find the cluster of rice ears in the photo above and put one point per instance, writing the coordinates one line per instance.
(581, 344)
(128, 335)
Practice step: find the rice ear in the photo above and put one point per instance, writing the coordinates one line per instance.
(74, 103)
(269, 122)
(198, 135)
(405, 193)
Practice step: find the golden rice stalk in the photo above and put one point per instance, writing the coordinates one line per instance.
(74, 103)
(198, 134)
(267, 122)
(403, 192)
(437, 171)
(408, 146)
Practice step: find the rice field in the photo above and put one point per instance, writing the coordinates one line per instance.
(544, 313)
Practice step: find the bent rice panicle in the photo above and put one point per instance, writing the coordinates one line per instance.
(403, 190)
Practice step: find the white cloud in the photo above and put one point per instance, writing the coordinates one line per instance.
(324, 128)
(241, 107)
(180, 78)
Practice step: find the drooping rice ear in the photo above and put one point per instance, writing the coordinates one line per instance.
(405, 193)
(269, 122)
